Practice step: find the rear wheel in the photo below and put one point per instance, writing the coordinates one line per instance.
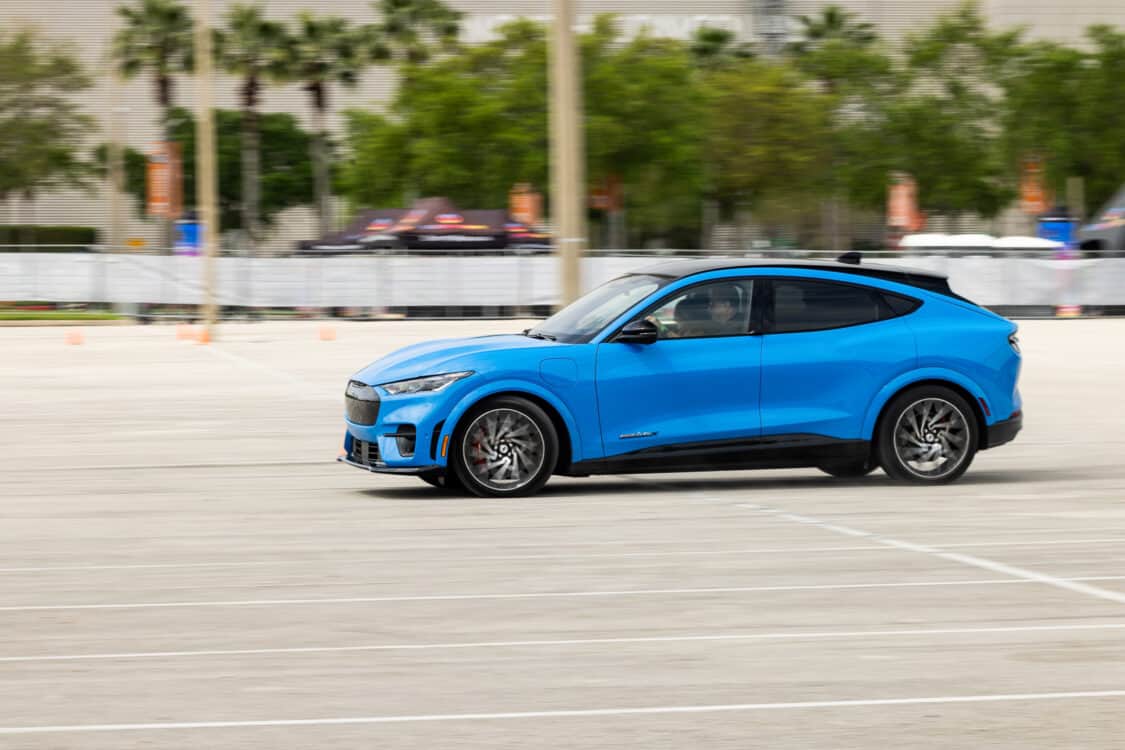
(507, 447)
(927, 435)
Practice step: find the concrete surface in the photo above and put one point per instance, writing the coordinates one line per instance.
(182, 564)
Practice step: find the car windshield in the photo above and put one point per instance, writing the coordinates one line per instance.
(579, 321)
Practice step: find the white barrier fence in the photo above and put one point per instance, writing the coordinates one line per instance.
(488, 281)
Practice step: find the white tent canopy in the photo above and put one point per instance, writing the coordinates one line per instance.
(1027, 243)
(975, 241)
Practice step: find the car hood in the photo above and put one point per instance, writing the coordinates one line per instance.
(443, 355)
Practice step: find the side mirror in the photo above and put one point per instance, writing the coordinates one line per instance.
(638, 332)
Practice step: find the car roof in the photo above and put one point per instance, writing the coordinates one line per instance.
(683, 267)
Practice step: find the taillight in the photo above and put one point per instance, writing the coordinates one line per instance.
(1014, 340)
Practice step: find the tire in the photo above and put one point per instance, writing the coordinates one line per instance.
(849, 469)
(927, 435)
(504, 447)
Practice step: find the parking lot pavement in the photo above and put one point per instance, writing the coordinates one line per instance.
(182, 564)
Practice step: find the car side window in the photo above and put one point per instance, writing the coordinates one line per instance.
(808, 305)
(719, 308)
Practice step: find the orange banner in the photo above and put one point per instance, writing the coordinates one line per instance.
(1034, 199)
(164, 181)
(902, 204)
(525, 205)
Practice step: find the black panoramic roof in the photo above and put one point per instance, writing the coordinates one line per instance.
(928, 280)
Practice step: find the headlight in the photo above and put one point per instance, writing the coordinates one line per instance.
(428, 384)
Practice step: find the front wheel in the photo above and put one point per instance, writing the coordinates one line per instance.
(507, 447)
(927, 435)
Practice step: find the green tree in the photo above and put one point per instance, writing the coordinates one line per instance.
(408, 32)
(769, 134)
(285, 169)
(644, 132)
(471, 124)
(846, 60)
(156, 37)
(250, 47)
(1062, 105)
(954, 159)
(833, 24)
(134, 165)
(712, 47)
(41, 126)
(376, 172)
(323, 50)
(1097, 128)
(412, 30)
(946, 130)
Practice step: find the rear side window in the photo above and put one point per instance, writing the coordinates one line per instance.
(807, 305)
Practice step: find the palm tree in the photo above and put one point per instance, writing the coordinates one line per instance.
(712, 48)
(323, 50)
(411, 29)
(251, 47)
(156, 37)
(834, 23)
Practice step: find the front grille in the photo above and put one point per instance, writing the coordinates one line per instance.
(361, 403)
(365, 453)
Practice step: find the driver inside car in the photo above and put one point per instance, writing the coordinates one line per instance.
(726, 317)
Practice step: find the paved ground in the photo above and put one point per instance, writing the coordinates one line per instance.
(183, 565)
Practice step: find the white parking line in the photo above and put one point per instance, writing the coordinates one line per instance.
(283, 561)
(720, 637)
(1070, 584)
(537, 594)
(576, 713)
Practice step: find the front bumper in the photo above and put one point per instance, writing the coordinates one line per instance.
(366, 455)
(1004, 431)
(408, 470)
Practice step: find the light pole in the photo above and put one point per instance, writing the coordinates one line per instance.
(568, 152)
(205, 174)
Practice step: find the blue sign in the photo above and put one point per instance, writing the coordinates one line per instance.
(189, 238)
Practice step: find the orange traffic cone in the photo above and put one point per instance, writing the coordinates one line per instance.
(74, 338)
(204, 336)
(327, 333)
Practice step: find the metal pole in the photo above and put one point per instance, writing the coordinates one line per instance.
(115, 185)
(116, 171)
(568, 152)
(205, 174)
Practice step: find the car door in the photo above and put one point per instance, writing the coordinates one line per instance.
(828, 348)
(697, 382)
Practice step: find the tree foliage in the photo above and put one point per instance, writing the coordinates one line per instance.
(769, 133)
(411, 30)
(1063, 105)
(713, 47)
(474, 123)
(41, 125)
(286, 172)
(155, 37)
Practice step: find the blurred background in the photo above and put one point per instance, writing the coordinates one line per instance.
(394, 157)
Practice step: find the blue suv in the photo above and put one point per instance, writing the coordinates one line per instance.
(700, 365)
